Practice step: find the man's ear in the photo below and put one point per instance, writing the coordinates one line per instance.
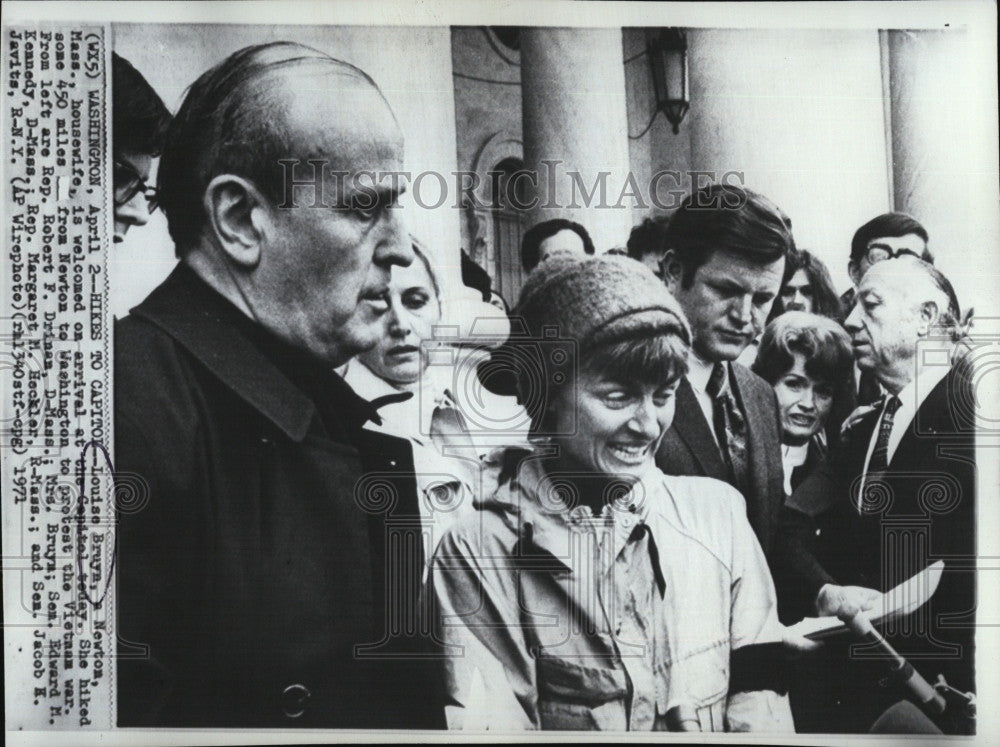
(929, 314)
(671, 270)
(234, 207)
(854, 272)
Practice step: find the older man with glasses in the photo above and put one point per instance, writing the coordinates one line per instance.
(884, 237)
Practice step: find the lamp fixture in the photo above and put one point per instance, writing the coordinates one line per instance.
(667, 51)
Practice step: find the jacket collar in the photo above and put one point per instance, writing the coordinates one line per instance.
(534, 512)
(693, 430)
(758, 414)
(228, 344)
(939, 415)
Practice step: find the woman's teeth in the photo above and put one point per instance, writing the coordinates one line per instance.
(628, 453)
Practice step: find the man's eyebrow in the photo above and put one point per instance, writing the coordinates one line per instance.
(724, 281)
(878, 245)
(385, 195)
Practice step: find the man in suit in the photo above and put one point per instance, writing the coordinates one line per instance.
(724, 259)
(898, 494)
(883, 237)
(258, 581)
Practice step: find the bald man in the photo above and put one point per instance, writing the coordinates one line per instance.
(898, 495)
(257, 586)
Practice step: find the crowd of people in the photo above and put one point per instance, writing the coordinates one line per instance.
(716, 446)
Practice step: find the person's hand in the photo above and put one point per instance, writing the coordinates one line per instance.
(797, 644)
(856, 414)
(845, 601)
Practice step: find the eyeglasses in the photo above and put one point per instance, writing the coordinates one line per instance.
(128, 183)
(880, 253)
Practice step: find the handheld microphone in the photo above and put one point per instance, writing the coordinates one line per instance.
(902, 671)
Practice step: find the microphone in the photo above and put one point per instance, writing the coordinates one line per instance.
(930, 700)
(904, 718)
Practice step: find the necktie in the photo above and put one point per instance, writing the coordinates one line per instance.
(730, 426)
(879, 461)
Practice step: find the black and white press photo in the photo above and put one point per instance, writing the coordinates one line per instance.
(466, 371)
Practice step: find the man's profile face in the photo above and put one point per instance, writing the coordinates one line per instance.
(319, 263)
(131, 186)
(728, 302)
(887, 247)
(885, 322)
(563, 241)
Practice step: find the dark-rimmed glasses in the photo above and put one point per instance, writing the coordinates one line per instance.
(881, 252)
(128, 183)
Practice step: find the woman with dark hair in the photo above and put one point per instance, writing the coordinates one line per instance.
(591, 591)
(139, 120)
(807, 286)
(807, 359)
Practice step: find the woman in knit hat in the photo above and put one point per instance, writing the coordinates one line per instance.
(591, 591)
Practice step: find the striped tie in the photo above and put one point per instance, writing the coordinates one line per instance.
(730, 427)
(879, 462)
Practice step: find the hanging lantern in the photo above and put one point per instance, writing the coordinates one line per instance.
(667, 51)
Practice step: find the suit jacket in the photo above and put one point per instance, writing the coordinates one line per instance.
(689, 448)
(923, 510)
(255, 568)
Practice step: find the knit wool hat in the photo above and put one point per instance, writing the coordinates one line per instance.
(596, 300)
(573, 303)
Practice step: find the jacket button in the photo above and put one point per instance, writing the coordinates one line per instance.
(294, 699)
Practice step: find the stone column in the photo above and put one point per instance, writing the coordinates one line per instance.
(576, 129)
(940, 173)
(798, 114)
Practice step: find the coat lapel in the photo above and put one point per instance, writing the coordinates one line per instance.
(758, 434)
(692, 428)
(930, 423)
(764, 500)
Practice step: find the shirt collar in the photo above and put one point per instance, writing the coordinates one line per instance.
(795, 455)
(553, 527)
(366, 383)
(699, 372)
(913, 394)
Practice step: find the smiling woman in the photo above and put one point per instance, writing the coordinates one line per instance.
(571, 593)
